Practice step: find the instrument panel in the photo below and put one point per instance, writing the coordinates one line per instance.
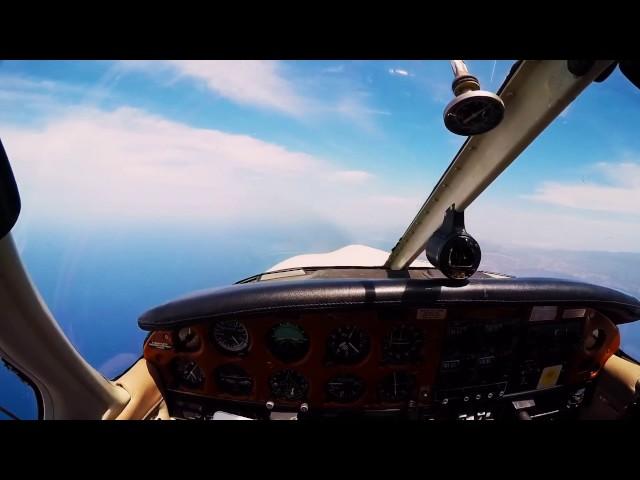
(429, 361)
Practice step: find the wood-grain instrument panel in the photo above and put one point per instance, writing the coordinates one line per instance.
(413, 355)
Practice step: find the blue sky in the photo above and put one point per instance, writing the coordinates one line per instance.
(356, 144)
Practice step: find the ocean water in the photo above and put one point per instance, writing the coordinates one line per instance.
(98, 282)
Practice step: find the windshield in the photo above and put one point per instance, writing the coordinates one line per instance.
(145, 180)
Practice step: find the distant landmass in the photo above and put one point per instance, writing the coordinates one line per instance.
(610, 269)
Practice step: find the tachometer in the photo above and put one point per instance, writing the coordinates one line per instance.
(403, 344)
(345, 388)
(188, 339)
(348, 344)
(288, 385)
(288, 342)
(231, 336)
(188, 373)
(233, 379)
(397, 387)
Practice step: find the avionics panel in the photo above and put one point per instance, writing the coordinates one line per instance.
(424, 361)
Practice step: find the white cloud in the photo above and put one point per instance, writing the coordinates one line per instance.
(32, 100)
(398, 71)
(504, 225)
(259, 83)
(626, 174)
(25, 99)
(354, 110)
(352, 176)
(578, 223)
(19, 94)
(18, 82)
(335, 69)
(263, 84)
(621, 195)
(129, 166)
(254, 82)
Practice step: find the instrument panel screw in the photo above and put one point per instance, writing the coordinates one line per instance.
(304, 408)
(270, 405)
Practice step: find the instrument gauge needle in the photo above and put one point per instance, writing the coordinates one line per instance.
(395, 385)
(471, 117)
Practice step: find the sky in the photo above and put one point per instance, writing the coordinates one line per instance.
(143, 180)
(355, 144)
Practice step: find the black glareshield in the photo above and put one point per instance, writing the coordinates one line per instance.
(9, 196)
(451, 249)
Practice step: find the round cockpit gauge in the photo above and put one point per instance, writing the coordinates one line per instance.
(403, 344)
(188, 339)
(397, 387)
(288, 342)
(345, 388)
(188, 373)
(288, 385)
(348, 345)
(231, 336)
(233, 379)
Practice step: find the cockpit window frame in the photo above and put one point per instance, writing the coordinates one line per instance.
(28, 382)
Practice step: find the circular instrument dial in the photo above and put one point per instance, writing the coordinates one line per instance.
(233, 380)
(188, 340)
(345, 388)
(188, 373)
(288, 342)
(397, 387)
(231, 336)
(403, 344)
(348, 345)
(288, 385)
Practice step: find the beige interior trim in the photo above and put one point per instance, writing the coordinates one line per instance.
(616, 389)
(145, 396)
(163, 412)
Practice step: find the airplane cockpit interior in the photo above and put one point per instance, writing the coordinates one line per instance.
(420, 332)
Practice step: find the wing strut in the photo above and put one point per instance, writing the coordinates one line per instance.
(534, 95)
